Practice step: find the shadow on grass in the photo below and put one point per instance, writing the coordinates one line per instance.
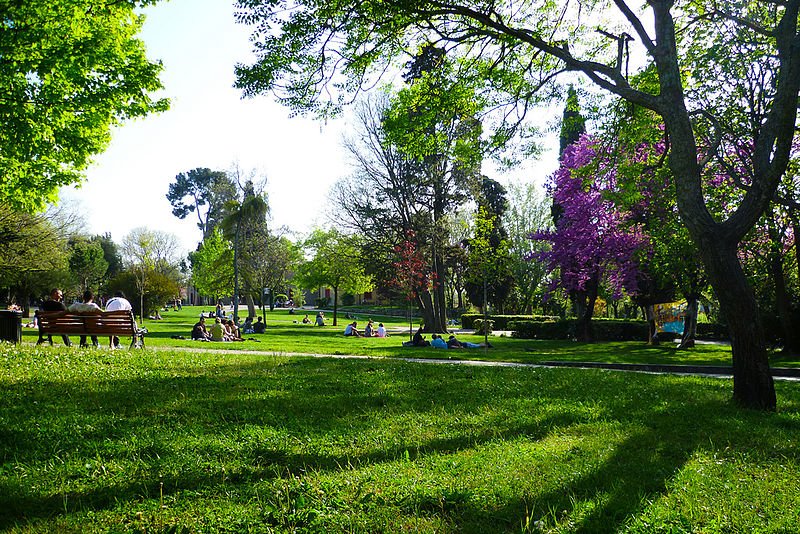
(259, 411)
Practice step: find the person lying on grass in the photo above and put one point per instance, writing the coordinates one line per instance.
(437, 342)
(453, 343)
(352, 330)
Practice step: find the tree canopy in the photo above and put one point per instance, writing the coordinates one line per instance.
(70, 70)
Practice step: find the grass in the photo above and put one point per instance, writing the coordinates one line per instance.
(285, 336)
(177, 441)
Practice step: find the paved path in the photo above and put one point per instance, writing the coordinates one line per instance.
(779, 373)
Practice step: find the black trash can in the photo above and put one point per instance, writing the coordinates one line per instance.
(11, 326)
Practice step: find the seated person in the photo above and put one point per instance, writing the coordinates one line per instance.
(369, 330)
(381, 332)
(419, 340)
(260, 326)
(320, 321)
(437, 342)
(231, 330)
(199, 332)
(352, 330)
(306, 320)
(247, 327)
(87, 306)
(217, 331)
(54, 303)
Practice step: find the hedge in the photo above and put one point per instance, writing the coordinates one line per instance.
(605, 330)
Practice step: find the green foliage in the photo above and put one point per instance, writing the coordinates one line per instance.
(483, 326)
(489, 261)
(212, 265)
(604, 330)
(573, 123)
(71, 70)
(29, 244)
(207, 192)
(336, 263)
(87, 263)
(160, 289)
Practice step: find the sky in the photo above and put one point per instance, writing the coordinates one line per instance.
(210, 125)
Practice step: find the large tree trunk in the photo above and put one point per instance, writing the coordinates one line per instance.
(251, 305)
(753, 386)
(782, 304)
(584, 308)
(426, 307)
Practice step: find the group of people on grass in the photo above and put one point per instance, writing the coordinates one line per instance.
(438, 342)
(369, 331)
(418, 340)
(224, 329)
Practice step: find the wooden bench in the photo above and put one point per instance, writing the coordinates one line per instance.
(113, 323)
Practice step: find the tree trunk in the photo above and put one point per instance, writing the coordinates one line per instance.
(689, 323)
(584, 305)
(652, 327)
(335, 304)
(782, 304)
(753, 386)
(251, 305)
(425, 302)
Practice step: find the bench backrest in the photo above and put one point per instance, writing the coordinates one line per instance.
(119, 322)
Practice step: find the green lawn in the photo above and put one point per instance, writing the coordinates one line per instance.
(285, 336)
(179, 441)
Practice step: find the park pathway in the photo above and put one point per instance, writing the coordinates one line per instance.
(779, 373)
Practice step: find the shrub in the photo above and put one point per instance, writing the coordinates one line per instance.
(712, 331)
(542, 329)
(322, 302)
(604, 329)
(348, 299)
(483, 327)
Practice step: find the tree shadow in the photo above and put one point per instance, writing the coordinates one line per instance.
(313, 399)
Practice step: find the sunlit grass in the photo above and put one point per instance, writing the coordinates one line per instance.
(132, 441)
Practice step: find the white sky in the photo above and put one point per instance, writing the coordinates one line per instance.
(209, 125)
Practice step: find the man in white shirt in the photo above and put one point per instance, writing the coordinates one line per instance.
(116, 303)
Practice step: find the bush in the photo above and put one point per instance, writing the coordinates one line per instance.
(348, 299)
(712, 331)
(322, 302)
(542, 329)
(483, 328)
(604, 329)
(160, 289)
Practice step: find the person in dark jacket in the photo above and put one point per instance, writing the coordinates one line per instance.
(54, 303)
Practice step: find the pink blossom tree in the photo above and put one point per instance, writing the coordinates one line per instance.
(593, 242)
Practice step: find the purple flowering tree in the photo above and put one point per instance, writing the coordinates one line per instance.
(593, 242)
